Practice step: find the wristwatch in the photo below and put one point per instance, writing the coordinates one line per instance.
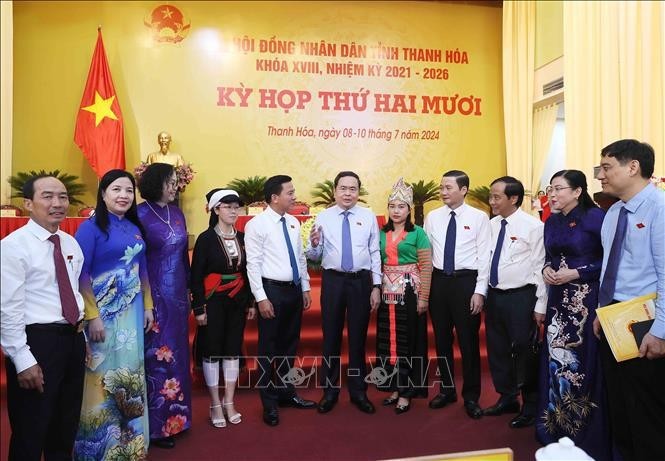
(377, 285)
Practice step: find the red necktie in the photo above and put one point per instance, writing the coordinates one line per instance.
(70, 309)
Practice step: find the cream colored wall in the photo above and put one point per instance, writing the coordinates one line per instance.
(549, 31)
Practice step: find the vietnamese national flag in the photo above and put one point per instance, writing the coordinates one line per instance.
(99, 132)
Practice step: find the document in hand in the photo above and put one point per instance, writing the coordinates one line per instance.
(617, 320)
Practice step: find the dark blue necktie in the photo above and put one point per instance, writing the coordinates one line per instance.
(449, 248)
(608, 285)
(494, 268)
(347, 252)
(292, 255)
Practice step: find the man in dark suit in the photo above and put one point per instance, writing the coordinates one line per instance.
(346, 239)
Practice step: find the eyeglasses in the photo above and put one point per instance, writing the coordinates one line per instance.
(555, 190)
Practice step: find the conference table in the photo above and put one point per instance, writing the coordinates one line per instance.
(71, 224)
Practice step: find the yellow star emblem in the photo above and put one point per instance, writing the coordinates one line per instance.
(101, 108)
(167, 13)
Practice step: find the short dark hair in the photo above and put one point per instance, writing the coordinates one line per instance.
(151, 184)
(28, 189)
(274, 186)
(102, 212)
(575, 179)
(514, 188)
(626, 150)
(343, 174)
(461, 178)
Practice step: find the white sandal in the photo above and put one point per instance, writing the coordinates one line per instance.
(217, 422)
(235, 419)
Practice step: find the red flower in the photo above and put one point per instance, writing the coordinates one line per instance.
(170, 389)
(174, 424)
(164, 353)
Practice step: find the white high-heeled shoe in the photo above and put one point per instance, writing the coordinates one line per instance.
(217, 422)
(235, 419)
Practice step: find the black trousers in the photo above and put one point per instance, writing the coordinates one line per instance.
(636, 403)
(343, 294)
(508, 324)
(47, 422)
(278, 343)
(450, 299)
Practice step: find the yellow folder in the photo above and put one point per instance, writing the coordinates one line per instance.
(617, 320)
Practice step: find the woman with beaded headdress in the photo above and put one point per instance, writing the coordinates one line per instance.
(406, 257)
(221, 300)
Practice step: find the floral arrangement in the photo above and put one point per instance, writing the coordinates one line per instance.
(658, 182)
(184, 174)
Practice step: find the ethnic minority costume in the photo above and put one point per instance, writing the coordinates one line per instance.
(401, 340)
(114, 284)
(220, 289)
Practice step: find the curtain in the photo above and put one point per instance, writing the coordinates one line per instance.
(6, 97)
(614, 70)
(519, 18)
(544, 120)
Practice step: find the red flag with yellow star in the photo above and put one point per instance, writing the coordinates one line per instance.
(99, 132)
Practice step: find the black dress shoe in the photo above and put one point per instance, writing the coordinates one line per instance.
(399, 409)
(271, 416)
(389, 401)
(473, 409)
(166, 442)
(522, 420)
(326, 404)
(501, 407)
(363, 405)
(298, 402)
(441, 400)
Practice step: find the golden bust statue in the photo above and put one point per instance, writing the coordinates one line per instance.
(163, 155)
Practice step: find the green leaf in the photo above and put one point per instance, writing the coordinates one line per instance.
(249, 189)
(324, 193)
(74, 188)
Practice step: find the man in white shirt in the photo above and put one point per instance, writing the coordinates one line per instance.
(346, 239)
(278, 278)
(40, 316)
(515, 301)
(460, 238)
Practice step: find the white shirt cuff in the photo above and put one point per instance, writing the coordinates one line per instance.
(305, 285)
(260, 295)
(23, 359)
